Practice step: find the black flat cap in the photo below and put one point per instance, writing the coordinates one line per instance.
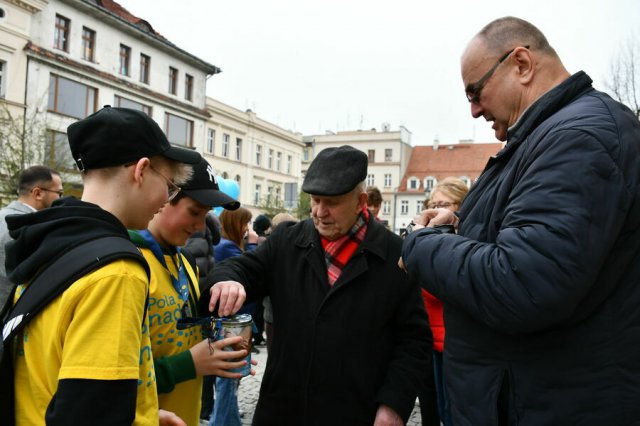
(335, 171)
(117, 136)
(203, 187)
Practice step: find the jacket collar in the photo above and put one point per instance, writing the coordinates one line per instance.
(548, 104)
(374, 241)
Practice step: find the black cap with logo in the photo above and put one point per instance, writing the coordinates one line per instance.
(203, 187)
(116, 136)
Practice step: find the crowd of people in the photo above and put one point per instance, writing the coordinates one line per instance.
(513, 302)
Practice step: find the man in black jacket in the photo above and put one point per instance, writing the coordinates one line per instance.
(541, 287)
(351, 343)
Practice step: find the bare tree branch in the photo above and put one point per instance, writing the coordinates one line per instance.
(624, 83)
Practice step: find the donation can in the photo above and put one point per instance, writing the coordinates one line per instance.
(238, 325)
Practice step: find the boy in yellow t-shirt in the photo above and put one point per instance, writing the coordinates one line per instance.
(182, 357)
(86, 357)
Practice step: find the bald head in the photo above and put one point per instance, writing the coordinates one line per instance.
(506, 33)
(506, 67)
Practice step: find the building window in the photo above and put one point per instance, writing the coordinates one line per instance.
(419, 206)
(145, 65)
(188, 87)
(71, 98)
(372, 155)
(387, 180)
(289, 161)
(270, 159)
(225, 145)
(125, 60)
(413, 183)
(88, 44)
(386, 207)
(57, 152)
(3, 77)
(258, 155)
(173, 81)
(225, 175)
(178, 130)
(256, 195)
(404, 207)
(121, 102)
(269, 194)
(371, 180)
(429, 183)
(61, 34)
(237, 178)
(278, 161)
(305, 154)
(388, 154)
(238, 149)
(211, 140)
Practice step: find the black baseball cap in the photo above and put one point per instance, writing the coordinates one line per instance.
(335, 171)
(203, 187)
(116, 136)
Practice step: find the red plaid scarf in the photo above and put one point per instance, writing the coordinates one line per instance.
(338, 252)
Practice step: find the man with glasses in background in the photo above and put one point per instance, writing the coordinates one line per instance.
(541, 285)
(38, 187)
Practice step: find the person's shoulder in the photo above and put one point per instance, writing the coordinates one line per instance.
(118, 270)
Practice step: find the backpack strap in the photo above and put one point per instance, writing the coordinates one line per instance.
(52, 280)
(49, 283)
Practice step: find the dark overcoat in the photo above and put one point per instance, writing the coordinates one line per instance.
(542, 285)
(338, 352)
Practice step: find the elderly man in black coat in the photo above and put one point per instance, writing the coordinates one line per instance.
(541, 287)
(351, 342)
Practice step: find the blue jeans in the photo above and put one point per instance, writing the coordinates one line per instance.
(225, 410)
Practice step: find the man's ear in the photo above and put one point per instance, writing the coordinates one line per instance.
(140, 169)
(362, 200)
(37, 193)
(526, 64)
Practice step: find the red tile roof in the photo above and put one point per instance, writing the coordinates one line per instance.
(123, 13)
(465, 159)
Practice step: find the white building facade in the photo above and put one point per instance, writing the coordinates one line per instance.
(263, 158)
(85, 54)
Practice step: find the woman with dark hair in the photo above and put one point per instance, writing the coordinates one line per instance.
(235, 225)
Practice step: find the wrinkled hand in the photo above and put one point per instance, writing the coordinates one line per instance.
(218, 362)
(433, 217)
(386, 416)
(167, 418)
(231, 295)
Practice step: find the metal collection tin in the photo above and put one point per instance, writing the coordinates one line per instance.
(238, 325)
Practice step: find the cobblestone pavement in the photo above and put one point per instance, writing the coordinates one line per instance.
(250, 387)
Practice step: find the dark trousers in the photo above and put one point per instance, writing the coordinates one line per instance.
(208, 384)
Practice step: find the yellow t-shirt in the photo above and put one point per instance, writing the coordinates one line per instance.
(165, 308)
(93, 330)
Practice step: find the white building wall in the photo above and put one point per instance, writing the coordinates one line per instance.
(254, 133)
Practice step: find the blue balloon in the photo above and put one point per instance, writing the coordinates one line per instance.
(229, 187)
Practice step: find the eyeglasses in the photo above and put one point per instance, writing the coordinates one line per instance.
(60, 192)
(475, 89)
(441, 205)
(172, 188)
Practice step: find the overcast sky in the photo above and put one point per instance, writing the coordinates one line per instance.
(318, 65)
